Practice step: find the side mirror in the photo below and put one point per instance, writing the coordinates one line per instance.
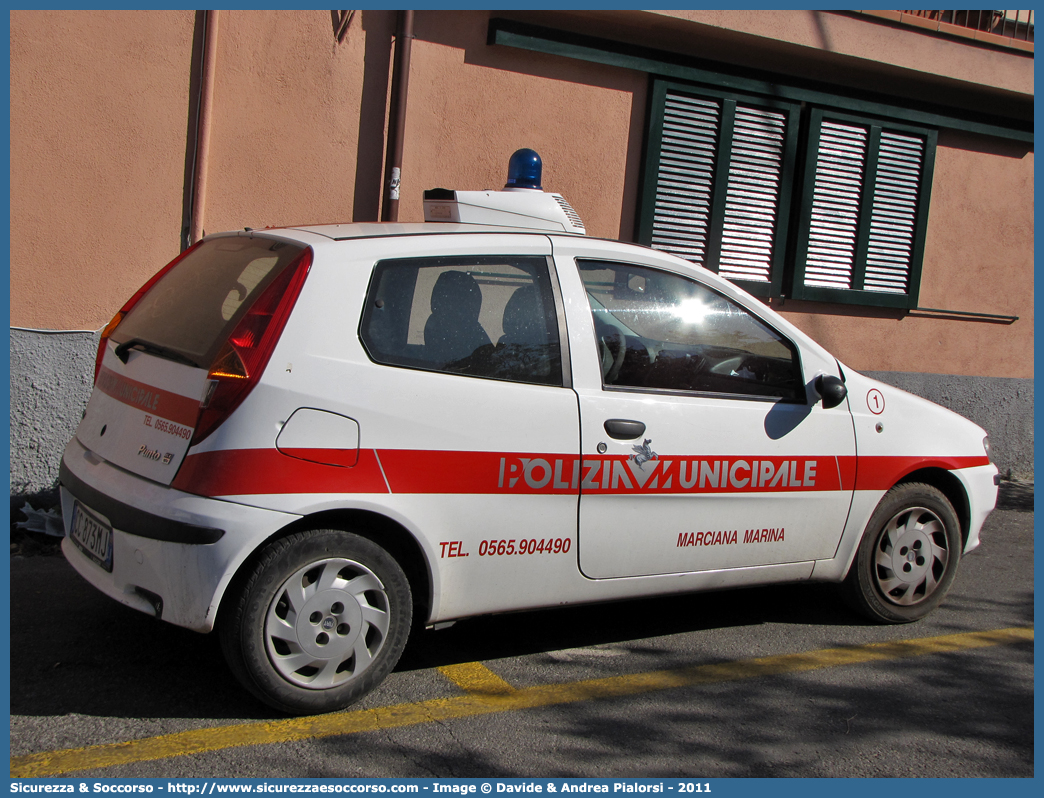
(831, 389)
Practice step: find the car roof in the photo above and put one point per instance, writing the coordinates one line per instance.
(347, 231)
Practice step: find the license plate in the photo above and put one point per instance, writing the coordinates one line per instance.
(92, 536)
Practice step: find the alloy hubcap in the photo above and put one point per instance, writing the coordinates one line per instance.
(911, 556)
(327, 623)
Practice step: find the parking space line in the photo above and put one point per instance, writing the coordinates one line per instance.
(474, 677)
(198, 741)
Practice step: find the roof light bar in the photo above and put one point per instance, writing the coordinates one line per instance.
(522, 203)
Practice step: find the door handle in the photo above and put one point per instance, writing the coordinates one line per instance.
(623, 429)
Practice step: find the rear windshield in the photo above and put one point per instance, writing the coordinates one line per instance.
(195, 306)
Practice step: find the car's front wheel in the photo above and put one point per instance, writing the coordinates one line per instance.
(320, 620)
(908, 556)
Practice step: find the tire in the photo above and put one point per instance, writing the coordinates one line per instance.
(908, 556)
(318, 623)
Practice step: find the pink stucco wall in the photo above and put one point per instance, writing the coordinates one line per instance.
(286, 120)
(471, 106)
(834, 35)
(99, 101)
(100, 125)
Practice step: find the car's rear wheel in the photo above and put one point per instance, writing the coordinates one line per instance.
(320, 621)
(908, 556)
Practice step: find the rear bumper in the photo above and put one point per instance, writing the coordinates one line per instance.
(174, 553)
(134, 521)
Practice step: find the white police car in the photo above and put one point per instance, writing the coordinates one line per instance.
(313, 438)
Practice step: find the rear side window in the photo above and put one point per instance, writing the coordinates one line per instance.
(196, 305)
(480, 317)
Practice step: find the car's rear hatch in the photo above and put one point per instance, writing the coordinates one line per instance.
(205, 317)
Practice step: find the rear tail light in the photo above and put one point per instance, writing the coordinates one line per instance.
(115, 321)
(238, 366)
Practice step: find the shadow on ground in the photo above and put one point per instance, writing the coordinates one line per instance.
(75, 651)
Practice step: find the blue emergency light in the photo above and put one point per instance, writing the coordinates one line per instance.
(524, 170)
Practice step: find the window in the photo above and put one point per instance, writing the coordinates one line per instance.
(725, 189)
(662, 331)
(861, 228)
(722, 164)
(194, 307)
(480, 317)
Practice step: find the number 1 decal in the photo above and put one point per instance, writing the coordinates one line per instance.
(875, 401)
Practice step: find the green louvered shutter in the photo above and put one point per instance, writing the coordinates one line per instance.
(752, 195)
(864, 212)
(685, 176)
(721, 176)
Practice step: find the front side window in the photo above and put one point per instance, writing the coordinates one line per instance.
(661, 331)
(482, 317)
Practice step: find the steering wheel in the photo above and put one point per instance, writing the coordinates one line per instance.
(609, 336)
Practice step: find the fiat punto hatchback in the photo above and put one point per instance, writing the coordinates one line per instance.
(313, 439)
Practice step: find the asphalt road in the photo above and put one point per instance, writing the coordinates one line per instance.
(86, 671)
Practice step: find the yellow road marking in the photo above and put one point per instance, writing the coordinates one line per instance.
(51, 763)
(474, 677)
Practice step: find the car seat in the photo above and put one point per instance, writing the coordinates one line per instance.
(452, 331)
(524, 318)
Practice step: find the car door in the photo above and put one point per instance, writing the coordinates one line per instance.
(704, 444)
(471, 415)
